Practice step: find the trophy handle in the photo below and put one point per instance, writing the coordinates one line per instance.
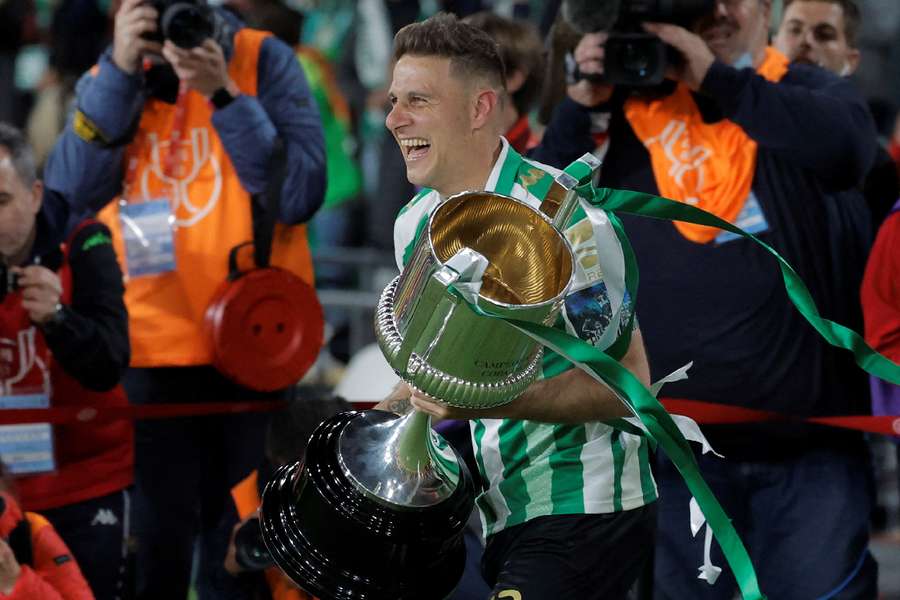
(434, 294)
(561, 200)
(465, 267)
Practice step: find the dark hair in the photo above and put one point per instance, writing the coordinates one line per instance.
(471, 51)
(20, 153)
(290, 429)
(852, 17)
(279, 18)
(521, 50)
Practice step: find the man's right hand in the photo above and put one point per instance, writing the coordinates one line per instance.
(589, 58)
(134, 19)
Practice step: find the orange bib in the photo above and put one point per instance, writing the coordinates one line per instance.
(212, 214)
(708, 165)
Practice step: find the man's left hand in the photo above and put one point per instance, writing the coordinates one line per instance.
(202, 68)
(698, 58)
(41, 291)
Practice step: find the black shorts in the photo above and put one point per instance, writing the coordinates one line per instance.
(570, 557)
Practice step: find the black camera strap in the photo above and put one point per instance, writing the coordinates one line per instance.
(264, 211)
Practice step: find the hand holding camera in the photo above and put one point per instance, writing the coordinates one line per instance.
(202, 68)
(41, 291)
(696, 55)
(634, 52)
(134, 20)
(588, 56)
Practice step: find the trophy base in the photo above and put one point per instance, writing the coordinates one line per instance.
(338, 543)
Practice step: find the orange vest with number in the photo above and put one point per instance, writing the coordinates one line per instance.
(212, 214)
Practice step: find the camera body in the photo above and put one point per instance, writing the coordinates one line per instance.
(188, 23)
(632, 56)
(9, 282)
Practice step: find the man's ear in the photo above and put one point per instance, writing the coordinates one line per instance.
(853, 56)
(37, 196)
(483, 110)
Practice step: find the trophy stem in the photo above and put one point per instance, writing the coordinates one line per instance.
(413, 446)
(399, 461)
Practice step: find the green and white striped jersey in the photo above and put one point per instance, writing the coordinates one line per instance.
(536, 469)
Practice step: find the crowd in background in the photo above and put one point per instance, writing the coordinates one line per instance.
(344, 49)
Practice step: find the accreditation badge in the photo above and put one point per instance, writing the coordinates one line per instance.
(751, 219)
(148, 233)
(27, 449)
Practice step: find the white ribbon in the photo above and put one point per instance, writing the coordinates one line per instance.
(691, 432)
(708, 571)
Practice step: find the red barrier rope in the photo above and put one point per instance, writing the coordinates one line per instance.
(69, 415)
(705, 413)
(709, 413)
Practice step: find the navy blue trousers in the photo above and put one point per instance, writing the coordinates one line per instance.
(804, 521)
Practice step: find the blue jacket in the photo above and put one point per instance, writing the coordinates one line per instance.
(87, 176)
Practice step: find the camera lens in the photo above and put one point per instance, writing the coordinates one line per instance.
(635, 59)
(187, 25)
(250, 549)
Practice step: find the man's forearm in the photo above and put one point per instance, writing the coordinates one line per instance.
(568, 398)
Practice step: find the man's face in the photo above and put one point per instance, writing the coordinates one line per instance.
(19, 204)
(814, 32)
(431, 120)
(735, 28)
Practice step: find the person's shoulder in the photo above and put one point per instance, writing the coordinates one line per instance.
(88, 235)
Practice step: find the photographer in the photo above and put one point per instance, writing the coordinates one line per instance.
(761, 143)
(176, 130)
(35, 563)
(64, 334)
(247, 558)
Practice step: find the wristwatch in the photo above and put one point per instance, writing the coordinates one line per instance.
(56, 319)
(221, 98)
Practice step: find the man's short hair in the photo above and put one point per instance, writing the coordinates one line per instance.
(521, 50)
(471, 51)
(13, 140)
(852, 17)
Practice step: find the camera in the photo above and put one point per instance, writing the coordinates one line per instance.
(250, 550)
(187, 23)
(632, 56)
(9, 281)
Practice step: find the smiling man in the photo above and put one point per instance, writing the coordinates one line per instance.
(569, 507)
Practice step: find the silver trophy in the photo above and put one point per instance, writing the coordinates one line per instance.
(378, 507)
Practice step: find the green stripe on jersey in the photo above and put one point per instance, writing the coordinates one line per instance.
(647, 486)
(567, 481)
(618, 453)
(513, 445)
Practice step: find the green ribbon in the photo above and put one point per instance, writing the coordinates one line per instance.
(659, 424)
(605, 368)
(648, 205)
